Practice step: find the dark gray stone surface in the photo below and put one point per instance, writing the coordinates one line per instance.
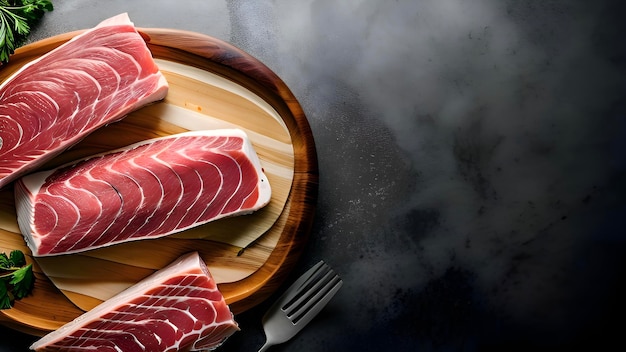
(472, 158)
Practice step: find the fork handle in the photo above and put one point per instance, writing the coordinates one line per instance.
(265, 347)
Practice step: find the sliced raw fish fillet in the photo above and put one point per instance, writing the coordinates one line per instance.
(54, 101)
(149, 189)
(178, 308)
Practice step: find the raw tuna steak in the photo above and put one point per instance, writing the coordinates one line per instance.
(147, 190)
(53, 102)
(178, 308)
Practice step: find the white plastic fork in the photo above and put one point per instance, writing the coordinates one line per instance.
(300, 303)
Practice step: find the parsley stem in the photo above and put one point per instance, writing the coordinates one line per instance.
(8, 272)
(10, 268)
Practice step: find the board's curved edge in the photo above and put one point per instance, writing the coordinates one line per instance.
(217, 51)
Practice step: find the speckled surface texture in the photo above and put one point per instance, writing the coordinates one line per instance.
(472, 163)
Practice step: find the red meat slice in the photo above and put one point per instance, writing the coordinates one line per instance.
(178, 308)
(53, 102)
(147, 190)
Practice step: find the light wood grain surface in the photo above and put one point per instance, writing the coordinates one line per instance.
(212, 85)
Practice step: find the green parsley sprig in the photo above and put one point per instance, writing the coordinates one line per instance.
(16, 19)
(16, 278)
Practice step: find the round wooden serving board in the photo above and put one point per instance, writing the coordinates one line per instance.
(212, 85)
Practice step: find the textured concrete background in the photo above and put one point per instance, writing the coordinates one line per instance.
(472, 162)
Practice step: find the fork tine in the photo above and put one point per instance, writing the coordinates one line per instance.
(307, 288)
(295, 288)
(314, 304)
(304, 299)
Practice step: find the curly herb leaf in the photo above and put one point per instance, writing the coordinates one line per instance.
(16, 278)
(22, 281)
(16, 19)
(5, 297)
(17, 258)
(5, 263)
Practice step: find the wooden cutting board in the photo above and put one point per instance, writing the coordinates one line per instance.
(212, 85)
